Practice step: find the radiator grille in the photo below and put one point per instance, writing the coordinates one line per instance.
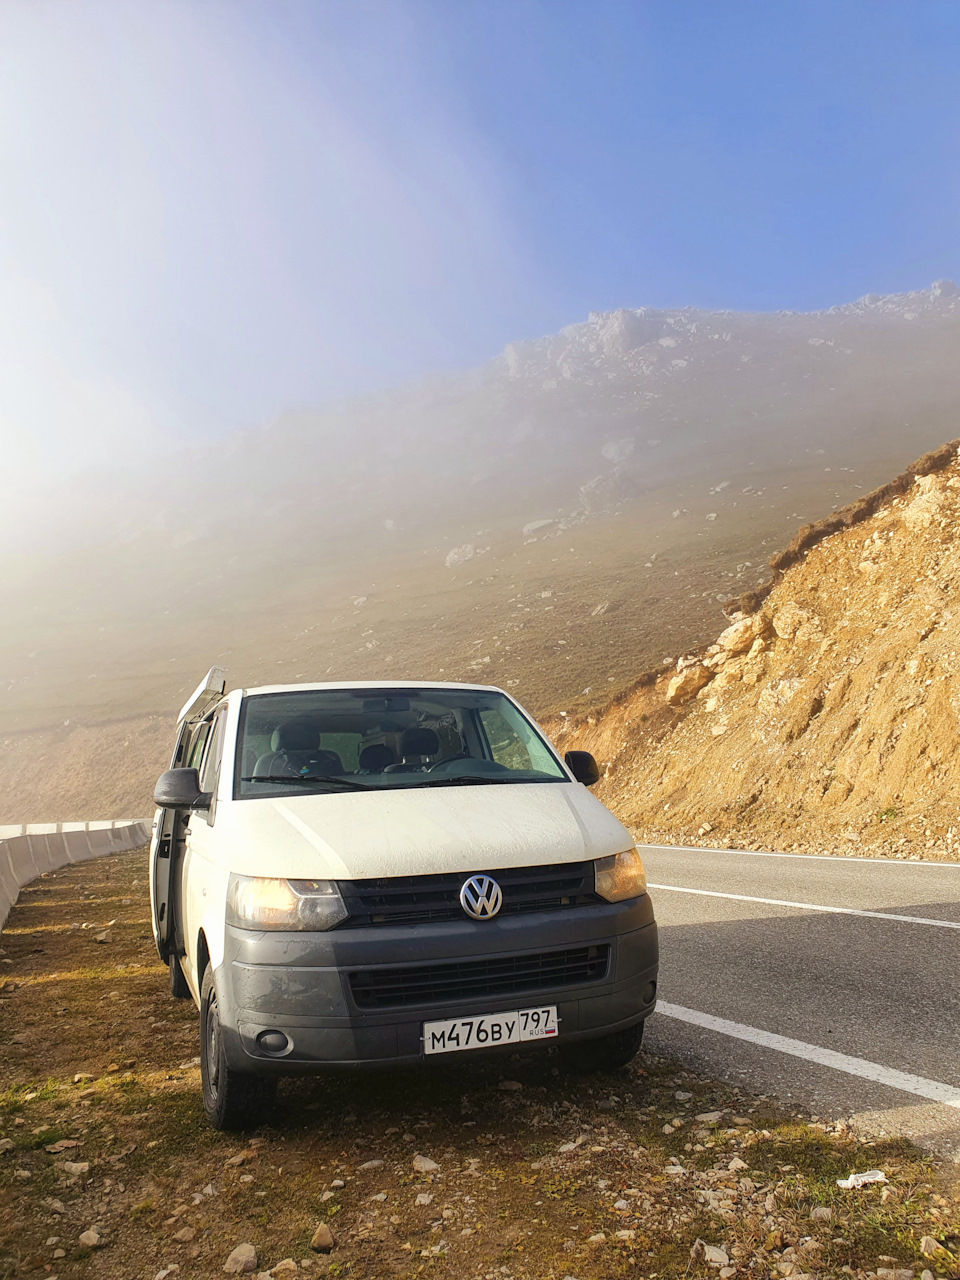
(472, 979)
(402, 900)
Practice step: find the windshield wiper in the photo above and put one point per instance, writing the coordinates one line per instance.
(464, 780)
(335, 782)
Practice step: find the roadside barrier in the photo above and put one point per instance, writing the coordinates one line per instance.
(29, 851)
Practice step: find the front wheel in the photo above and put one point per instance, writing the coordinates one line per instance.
(606, 1053)
(231, 1099)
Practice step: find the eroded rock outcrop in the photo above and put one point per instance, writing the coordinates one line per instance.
(832, 713)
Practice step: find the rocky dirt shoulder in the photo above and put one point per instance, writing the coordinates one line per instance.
(507, 1170)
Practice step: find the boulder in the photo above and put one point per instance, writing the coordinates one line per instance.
(602, 493)
(731, 673)
(737, 638)
(459, 555)
(754, 665)
(622, 331)
(777, 694)
(687, 684)
(788, 620)
(926, 507)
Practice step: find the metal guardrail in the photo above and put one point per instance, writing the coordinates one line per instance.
(30, 850)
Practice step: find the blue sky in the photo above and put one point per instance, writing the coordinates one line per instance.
(212, 212)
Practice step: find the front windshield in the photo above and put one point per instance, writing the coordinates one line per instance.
(352, 739)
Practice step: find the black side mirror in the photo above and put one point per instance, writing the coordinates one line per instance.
(583, 767)
(180, 789)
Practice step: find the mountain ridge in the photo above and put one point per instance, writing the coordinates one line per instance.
(553, 540)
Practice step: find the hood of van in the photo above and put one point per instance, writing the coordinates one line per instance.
(416, 831)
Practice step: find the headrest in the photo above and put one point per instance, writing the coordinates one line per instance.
(376, 757)
(325, 764)
(302, 734)
(420, 742)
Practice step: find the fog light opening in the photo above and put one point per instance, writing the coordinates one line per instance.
(273, 1042)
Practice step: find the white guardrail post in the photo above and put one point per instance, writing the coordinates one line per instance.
(29, 851)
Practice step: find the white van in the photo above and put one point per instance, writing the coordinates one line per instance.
(347, 875)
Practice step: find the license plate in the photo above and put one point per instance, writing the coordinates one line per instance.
(494, 1028)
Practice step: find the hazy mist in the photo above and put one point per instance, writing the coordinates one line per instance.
(212, 214)
(205, 222)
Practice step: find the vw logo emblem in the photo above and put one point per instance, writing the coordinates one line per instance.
(481, 897)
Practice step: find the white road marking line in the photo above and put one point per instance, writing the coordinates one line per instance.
(811, 857)
(902, 1080)
(807, 906)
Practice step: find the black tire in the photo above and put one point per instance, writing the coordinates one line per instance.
(231, 1099)
(606, 1053)
(178, 983)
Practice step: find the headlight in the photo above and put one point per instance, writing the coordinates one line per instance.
(254, 902)
(620, 876)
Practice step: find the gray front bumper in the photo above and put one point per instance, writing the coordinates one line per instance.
(298, 983)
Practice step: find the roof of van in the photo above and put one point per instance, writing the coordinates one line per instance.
(369, 684)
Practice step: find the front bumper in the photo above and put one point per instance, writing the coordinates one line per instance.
(300, 984)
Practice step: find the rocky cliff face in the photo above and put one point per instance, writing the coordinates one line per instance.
(828, 718)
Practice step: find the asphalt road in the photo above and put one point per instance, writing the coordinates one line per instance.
(831, 983)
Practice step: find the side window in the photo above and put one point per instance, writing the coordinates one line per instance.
(515, 743)
(210, 767)
(506, 746)
(196, 747)
(180, 752)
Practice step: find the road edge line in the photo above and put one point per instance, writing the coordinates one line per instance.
(806, 906)
(904, 1081)
(812, 857)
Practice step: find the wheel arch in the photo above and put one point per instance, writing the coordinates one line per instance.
(203, 957)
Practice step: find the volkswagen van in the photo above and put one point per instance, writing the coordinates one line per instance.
(361, 874)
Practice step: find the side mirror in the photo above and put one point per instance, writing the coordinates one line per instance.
(583, 767)
(180, 789)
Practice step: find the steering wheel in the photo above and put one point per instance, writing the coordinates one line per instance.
(442, 764)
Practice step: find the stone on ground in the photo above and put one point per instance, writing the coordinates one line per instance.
(242, 1259)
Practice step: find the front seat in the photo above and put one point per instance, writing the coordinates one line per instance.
(297, 750)
(376, 758)
(415, 746)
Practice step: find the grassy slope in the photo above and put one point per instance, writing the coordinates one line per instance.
(86, 726)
